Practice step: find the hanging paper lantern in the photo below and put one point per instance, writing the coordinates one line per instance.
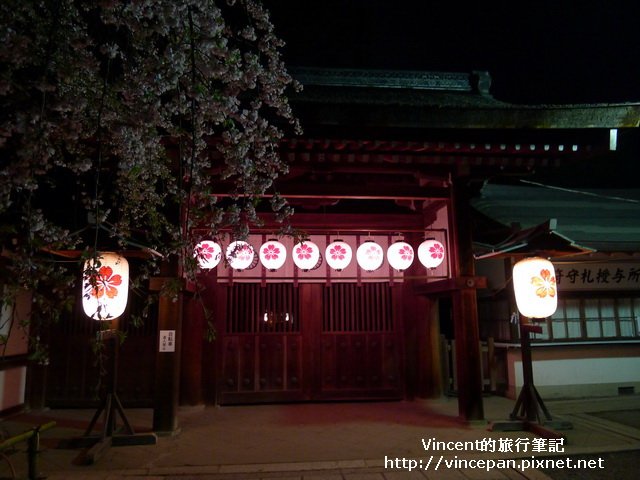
(534, 283)
(273, 254)
(338, 255)
(240, 255)
(400, 255)
(207, 254)
(306, 255)
(105, 286)
(431, 253)
(369, 256)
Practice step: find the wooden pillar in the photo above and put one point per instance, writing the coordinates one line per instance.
(167, 375)
(191, 353)
(465, 308)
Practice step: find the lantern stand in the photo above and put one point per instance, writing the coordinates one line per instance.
(529, 403)
(110, 407)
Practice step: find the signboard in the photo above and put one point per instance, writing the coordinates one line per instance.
(597, 276)
(167, 341)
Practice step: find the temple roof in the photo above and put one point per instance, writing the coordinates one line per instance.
(409, 99)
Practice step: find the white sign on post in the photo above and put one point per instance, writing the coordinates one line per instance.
(167, 341)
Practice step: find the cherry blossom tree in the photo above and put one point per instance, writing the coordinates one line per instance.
(117, 119)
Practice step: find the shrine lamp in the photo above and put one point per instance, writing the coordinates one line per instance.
(400, 255)
(240, 255)
(369, 256)
(207, 254)
(534, 283)
(431, 253)
(338, 255)
(306, 255)
(272, 254)
(105, 286)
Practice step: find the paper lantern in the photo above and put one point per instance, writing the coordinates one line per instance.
(369, 256)
(240, 255)
(400, 255)
(431, 253)
(105, 286)
(207, 254)
(534, 283)
(338, 255)
(272, 254)
(306, 255)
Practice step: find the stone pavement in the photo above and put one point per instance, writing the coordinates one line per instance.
(332, 441)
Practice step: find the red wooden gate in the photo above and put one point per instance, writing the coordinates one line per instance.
(310, 342)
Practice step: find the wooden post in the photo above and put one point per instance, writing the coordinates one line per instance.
(167, 384)
(191, 357)
(465, 308)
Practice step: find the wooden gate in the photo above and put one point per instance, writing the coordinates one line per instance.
(309, 342)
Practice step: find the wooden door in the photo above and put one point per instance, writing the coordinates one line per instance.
(360, 352)
(262, 345)
(309, 342)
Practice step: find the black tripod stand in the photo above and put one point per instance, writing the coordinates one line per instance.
(110, 403)
(110, 407)
(529, 404)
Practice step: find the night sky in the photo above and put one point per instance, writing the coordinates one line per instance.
(546, 53)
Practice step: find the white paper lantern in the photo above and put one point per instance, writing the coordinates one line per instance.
(272, 254)
(208, 254)
(431, 253)
(105, 286)
(534, 283)
(240, 255)
(400, 255)
(369, 256)
(306, 255)
(338, 255)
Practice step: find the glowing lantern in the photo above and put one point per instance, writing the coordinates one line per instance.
(207, 254)
(369, 256)
(431, 253)
(400, 255)
(240, 255)
(306, 255)
(338, 255)
(534, 283)
(272, 254)
(105, 286)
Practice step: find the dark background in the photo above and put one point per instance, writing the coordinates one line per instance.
(536, 52)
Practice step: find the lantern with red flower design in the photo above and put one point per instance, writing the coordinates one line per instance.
(207, 254)
(534, 284)
(431, 253)
(338, 255)
(240, 255)
(369, 256)
(400, 255)
(105, 286)
(272, 254)
(306, 255)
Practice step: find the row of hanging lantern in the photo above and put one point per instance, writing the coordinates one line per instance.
(307, 255)
(106, 278)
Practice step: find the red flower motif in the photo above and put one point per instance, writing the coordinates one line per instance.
(103, 283)
(406, 253)
(373, 253)
(436, 250)
(244, 253)
(206, 251)
(304, 251)
(545, 284)
(337, 252)
(271, 252)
